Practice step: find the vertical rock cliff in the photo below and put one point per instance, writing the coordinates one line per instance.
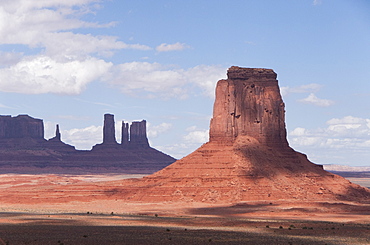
(22, 126)
(138, 136)
(109, 133)
(249, 103)
(124, 134)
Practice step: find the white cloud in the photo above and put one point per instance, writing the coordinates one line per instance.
(314, 100)
(45, 24)
(164, 47)
(65, 63)
(307, 88)
(41, 74)
(343, 141)
(346, 132)
(155, 130)
(70, 45)
(158, 80)
(206, 77)
(9, 58)
(83, 139)
(196, 136)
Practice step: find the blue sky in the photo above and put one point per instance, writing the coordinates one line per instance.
(71, 61)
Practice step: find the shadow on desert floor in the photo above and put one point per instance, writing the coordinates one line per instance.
(140, 229)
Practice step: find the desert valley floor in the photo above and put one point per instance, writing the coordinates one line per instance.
(49, 218)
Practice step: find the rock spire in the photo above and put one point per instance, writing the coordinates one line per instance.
(57, 136)
(124, 134)
(109, 136)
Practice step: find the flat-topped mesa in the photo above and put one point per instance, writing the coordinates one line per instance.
(21, 126)
(109, 136)
(138, 136)
(249, 103)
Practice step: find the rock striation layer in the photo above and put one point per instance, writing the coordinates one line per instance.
(247, 158)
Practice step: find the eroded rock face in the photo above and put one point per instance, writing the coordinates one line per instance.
(21, 126)
(249, 103)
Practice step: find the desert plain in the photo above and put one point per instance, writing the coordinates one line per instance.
(39, 209)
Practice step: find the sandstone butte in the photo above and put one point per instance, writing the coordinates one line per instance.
(247, 157)
(23, 149)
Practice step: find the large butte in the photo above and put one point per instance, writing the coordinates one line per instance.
(247, 158)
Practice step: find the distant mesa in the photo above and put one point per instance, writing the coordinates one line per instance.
(247, 158)
(132, 137)
(24, 149)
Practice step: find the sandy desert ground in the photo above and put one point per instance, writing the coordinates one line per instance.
(24, 219)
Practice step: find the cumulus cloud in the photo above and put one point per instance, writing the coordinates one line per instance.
(155, 130)
(343, 132)
(41, 74)
(66, 61)
(81, 138)
(85, 138)
(314, 100)
(9, 58)
(155, 79)
(344, 141)
(196, 136)
(164, 47)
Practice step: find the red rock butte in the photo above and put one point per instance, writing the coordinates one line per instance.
(247, 157)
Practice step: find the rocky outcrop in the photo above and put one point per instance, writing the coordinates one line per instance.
(21, 126)
(247, 157)
(249, 103)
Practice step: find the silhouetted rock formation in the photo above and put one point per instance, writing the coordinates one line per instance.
(21, 131)
(109, 132)
(247, 157)
(138, 135)
(57, 136)
(22, 126)
(56, 144)
(124, 134)
(24, 149)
